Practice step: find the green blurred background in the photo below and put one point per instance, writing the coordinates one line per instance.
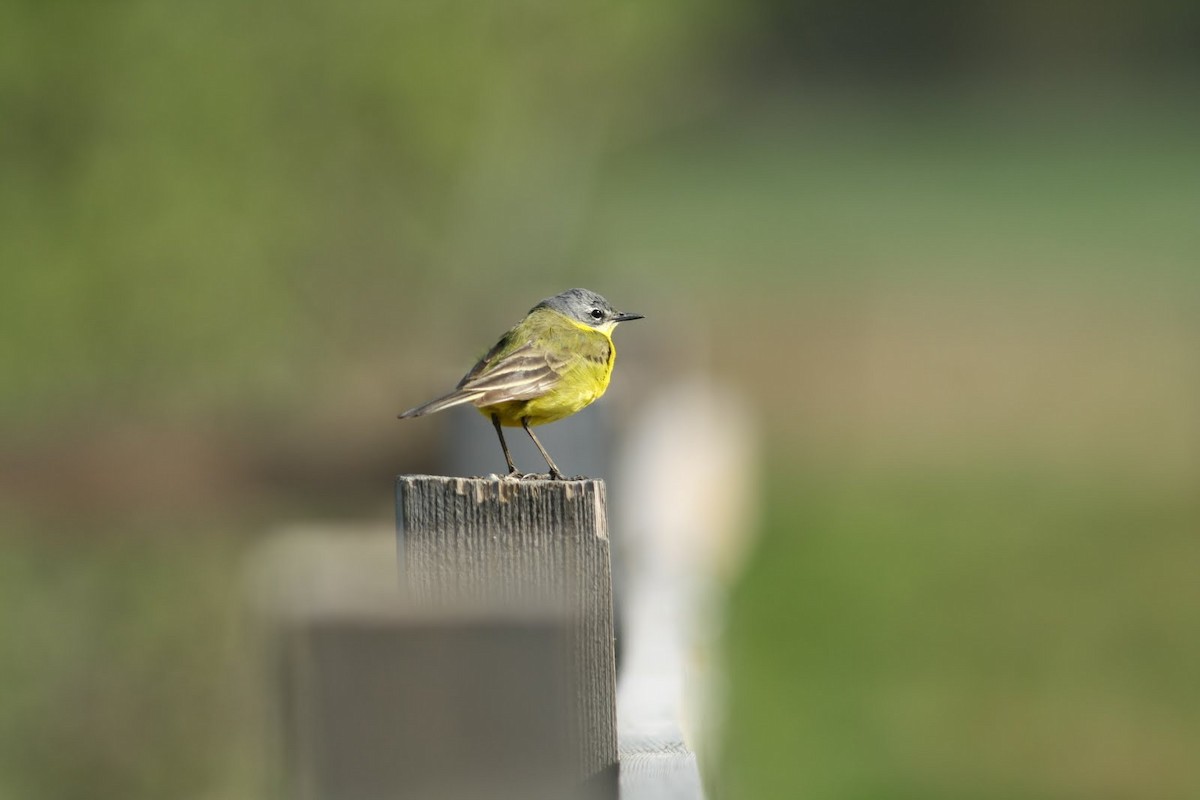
(949, 254)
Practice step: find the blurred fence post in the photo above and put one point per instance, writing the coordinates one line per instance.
(527, 544)
(374, 697)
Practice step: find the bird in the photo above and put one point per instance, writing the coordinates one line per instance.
(553, 363)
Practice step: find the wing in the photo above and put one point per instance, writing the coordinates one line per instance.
(513, 372)
(529, 361)
(522, 373)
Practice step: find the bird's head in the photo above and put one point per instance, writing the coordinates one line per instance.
(588, 308)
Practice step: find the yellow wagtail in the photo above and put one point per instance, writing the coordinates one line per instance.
(548, 366)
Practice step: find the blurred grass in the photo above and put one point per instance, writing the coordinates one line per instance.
(980, 633)
(919, 186)
(124, 666)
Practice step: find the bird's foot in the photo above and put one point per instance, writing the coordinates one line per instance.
(539, 476)
(516, 475)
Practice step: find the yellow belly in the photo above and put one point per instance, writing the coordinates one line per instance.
(578, 388)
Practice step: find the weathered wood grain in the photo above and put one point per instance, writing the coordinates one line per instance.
(527, 544)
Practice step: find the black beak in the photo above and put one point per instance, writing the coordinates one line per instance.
(625, 317)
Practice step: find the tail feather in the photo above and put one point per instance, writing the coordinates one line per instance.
(456, 398)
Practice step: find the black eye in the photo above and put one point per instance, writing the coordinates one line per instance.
(597, 314)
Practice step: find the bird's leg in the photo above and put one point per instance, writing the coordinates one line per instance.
(555, 475)
(512, 468)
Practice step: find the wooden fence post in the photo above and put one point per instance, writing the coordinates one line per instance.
(518, 544)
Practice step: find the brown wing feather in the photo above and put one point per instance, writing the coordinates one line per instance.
(523, 374)
(491, 355)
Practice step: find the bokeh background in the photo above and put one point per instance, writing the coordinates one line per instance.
(947, 252)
